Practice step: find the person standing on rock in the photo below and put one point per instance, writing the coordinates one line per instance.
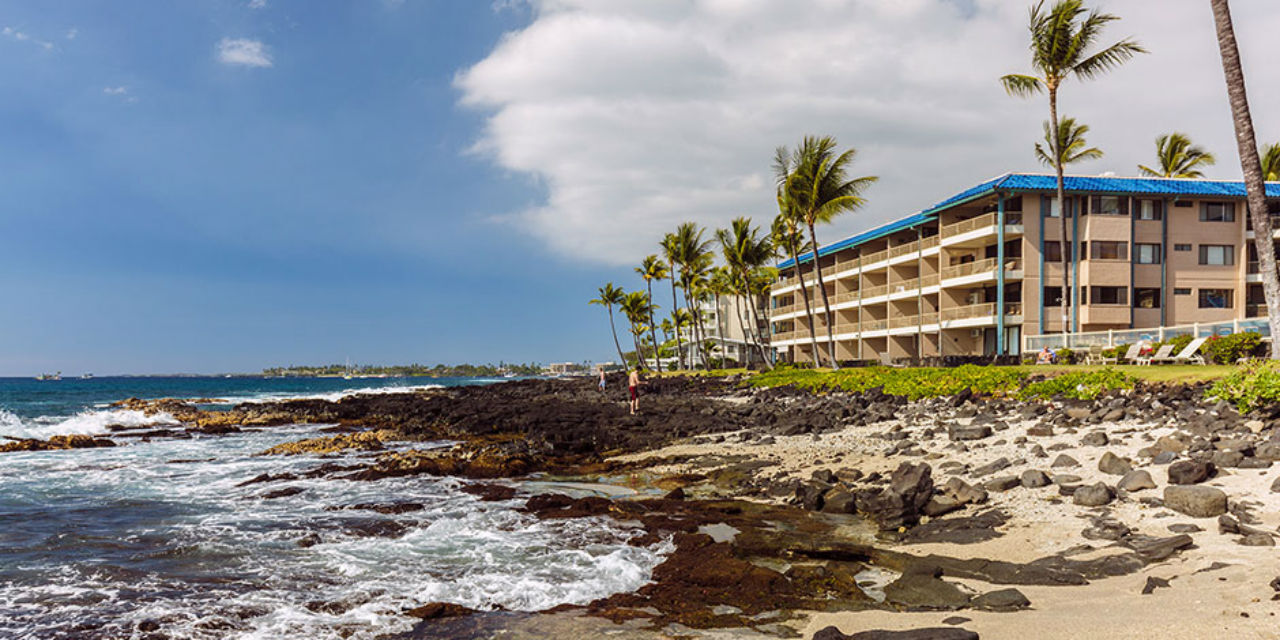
(633, 387)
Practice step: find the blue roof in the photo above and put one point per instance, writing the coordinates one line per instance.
(1033, 182)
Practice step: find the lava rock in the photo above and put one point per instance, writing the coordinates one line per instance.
(1064, 460)
(1137, 480)
(1113, 464)
(1001, 600)
(1189, 472)
(1196, 501)
(1095, 495)
(1033, 479)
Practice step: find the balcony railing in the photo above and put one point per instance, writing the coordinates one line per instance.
(904, 249)
(929, 280)
(874, 325)
(872, 258)
(970, 311)
(871, 292)
(984, 220)
(930, 242)
(969, 268)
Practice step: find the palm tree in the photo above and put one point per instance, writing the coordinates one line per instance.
(1060, 44)
(671, 250)
(820, 189)
(1271, 162)
(788, 237)
(693, 279)
(1178, 158)
(610, 296)
(745, 250)
(636, 307)
(689, 256)
(1250, 164)
(1071, 144)
(652, 268)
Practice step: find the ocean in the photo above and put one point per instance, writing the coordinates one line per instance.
(162, 537)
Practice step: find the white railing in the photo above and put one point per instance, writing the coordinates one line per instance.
(1113, 337)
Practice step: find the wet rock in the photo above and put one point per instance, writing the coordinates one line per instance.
(1064, 461)
(437, 610)
(488, 492)
(282, 493)
(1189, 472)
(1136, 480)
(1095, 495)
(367, 441)
(1195, 500)
(1001, 600)
(1034, 479)
(1114, 465)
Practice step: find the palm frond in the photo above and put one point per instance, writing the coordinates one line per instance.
(1021, 85)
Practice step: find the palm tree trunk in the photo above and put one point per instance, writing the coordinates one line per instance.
(613, 327)
(675, 317)
(653, 327)
(1065, 243)
(746, 333)
(1250, 165)
(720, 329)
(808, 308)
(826, 302)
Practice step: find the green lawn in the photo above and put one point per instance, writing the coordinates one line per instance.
(1185, 373)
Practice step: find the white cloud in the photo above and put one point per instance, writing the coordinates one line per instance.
(115, 91)
(243, 51)
(22, 36)
(257, 4)
(72, 33)
(639, 114)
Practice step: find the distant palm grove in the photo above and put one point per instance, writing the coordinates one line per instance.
(814, 186)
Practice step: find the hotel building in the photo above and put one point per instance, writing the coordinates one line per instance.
(973, 274)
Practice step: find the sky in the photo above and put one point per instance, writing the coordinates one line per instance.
(226, 185)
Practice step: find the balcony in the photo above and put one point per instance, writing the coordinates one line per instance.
(970, 311)
(904, 249)
(1118, 314)
(970, 230)
(969, 268)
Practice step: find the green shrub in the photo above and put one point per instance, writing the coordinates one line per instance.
(914, 383)
(1117, 351)
(1179, 343)
(1066, 356)
(1228, 349)
(1251, 386)
(1084, 385)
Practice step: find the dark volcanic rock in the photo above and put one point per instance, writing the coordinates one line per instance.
(921, 588)
(1113, 464)
(1033, 479)
(1137, 481)
(972, 432)
(1094, 495)
(1002, 600)
(900, 504)
(1189, 472)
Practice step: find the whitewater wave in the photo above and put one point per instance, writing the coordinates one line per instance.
(332, 396)
(89, 422)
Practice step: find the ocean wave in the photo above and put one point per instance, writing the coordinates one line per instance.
(332, 396)
(92, 422)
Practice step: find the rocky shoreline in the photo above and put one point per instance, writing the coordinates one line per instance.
(798, 514)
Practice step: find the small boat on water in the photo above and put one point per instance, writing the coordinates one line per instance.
(50, 376)
(87, 376)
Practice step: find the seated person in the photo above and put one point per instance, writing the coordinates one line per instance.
(1046, 356)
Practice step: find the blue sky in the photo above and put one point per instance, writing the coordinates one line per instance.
(225, 185)
(168, 211)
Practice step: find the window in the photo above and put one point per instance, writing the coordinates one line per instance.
(1146, 298)
(1108, 295)
(1218, 255)
(1215, 298)
(1053, 296)
(1182, 292)
(1150, 209)
(1273, 207)
(1146, 253)
(1182, 204)
(1053, 207)
(1053, 251)
(1108, 206)
(1181, 247)
(1218, 212)
(1107, 250)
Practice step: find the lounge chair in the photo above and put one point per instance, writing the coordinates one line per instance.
(1134, 354)
(1189, 355)
(1162, 354)
(1114, 358)
(1095, 355)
